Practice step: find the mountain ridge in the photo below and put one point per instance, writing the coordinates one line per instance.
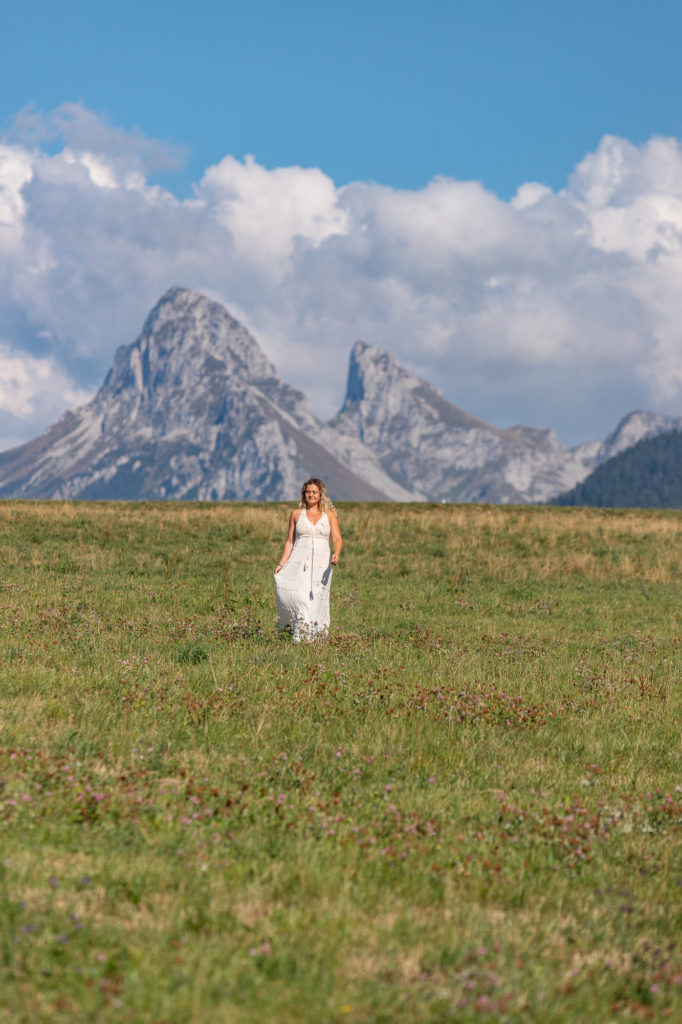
(192, 408)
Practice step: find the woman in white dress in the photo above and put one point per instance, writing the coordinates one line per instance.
(304, 574)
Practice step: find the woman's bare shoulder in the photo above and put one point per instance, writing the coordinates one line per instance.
(295, 515)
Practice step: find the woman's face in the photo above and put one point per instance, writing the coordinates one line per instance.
(312, 495)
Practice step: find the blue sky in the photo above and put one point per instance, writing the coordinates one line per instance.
(501, 91)
(490, 190)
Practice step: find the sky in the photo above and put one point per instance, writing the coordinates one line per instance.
(492, 191)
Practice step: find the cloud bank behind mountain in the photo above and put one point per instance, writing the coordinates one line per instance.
(554, 308)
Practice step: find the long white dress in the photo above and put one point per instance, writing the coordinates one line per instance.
(302, 586)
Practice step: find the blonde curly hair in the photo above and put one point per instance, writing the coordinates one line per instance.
(326, 503)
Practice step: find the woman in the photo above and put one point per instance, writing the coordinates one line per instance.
(304, 574)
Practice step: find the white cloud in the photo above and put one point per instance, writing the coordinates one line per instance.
(530, 193)
(15, 172)
(525, 310)
(35, 389)
(268, 212)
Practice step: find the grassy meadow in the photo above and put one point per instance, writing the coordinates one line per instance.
(465, 805)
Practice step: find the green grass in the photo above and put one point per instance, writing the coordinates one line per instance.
(465, 805)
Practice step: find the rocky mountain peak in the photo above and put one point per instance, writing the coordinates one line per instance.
(187, 337)
(384, 399)
(635, 426)
(373, 376)
(190, 355)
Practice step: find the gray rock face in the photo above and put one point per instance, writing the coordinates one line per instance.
(193, 409)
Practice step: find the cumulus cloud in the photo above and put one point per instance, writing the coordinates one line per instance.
(555, 308)
(34, 391)
(265, 211)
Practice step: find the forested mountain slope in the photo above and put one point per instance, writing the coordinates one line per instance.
(648, 475)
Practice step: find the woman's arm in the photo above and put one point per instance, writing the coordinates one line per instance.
(336, 537)
(289, 542)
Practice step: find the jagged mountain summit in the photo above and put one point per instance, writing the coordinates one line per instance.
(193, 409)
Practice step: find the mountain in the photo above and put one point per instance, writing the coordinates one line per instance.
(424, 442)
(193, 409)
(635, 427)
(648, 475)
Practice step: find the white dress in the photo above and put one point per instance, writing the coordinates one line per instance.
(302, 586)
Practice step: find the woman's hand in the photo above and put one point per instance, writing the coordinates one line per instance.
(278, 567)
(337, 542)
